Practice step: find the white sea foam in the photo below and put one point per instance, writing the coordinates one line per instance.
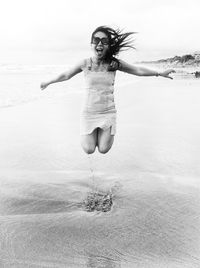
(20, 84)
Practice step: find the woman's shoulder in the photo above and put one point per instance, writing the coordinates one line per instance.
(123, 65)
(86, 64)
(114, 64)
(82, 64)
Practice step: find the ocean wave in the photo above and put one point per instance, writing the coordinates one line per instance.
(23, 69)
(21, 83)
(16, 101)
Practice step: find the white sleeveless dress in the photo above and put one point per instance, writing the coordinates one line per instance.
(98, 109)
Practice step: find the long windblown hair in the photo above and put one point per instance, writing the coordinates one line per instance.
(118, 41)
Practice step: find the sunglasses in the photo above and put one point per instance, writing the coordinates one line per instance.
(103, 40)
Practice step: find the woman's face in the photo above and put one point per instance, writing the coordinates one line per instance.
(100, 45)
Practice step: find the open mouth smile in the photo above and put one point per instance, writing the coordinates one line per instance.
(99, 51)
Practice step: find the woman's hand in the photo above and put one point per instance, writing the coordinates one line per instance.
(166, 73)
(43, 85)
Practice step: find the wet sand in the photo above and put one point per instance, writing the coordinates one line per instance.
(152, 171)
(152, 222)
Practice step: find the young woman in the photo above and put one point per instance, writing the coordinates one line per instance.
(98, 119)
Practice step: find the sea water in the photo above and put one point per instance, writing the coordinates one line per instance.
(152, 172)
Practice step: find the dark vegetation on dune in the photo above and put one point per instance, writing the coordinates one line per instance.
(188, 60)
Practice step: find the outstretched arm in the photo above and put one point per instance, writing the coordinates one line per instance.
(142, 71)
(65, 76)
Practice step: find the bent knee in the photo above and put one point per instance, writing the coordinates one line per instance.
(104, 149)
(88, 149)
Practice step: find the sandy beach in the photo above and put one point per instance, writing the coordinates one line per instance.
(152, 171)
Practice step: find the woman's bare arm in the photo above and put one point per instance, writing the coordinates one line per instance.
(142, 71)
(64, 76)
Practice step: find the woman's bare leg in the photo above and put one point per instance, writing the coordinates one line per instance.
(89, 142)
(105, 140)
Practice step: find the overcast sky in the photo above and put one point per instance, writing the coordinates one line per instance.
(31, 30)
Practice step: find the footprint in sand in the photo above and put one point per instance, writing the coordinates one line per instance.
(101, 201)
(98, 201)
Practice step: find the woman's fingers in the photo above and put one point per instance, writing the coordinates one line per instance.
(43, 86)
(168, 72)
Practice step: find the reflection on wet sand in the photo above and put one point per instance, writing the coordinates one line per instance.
(101, 262)
(152, 223)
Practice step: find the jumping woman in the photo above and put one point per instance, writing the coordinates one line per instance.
(98, 117)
